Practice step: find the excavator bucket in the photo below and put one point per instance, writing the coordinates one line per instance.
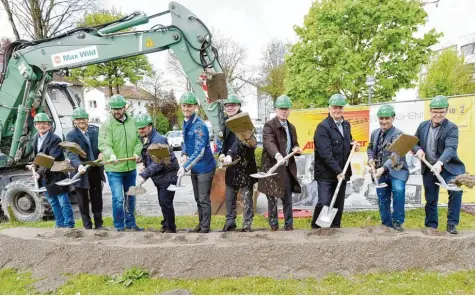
(217, 88)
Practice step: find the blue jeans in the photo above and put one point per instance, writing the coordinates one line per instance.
(431, 196)
(62, 210)
(122, 214)
(396, 187)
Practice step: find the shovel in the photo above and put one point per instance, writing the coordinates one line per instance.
(449, 187)
(328, 213)
(177, 187)
(376, 183)
(35, 180)
(98, 162)
(271, 172)
(67, 181)
(225, 165)
(136, 190)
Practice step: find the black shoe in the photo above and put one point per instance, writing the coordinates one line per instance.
(274, 228)
(397, 226)
(135, 228)
(205, 231)
(100, 227)
(120, 229)
(196, 229)
(229, 228)
(451, 229)
(246, 229)
(170, 231)
(288, 228)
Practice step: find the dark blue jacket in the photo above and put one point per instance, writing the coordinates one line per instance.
(392, 134)
(446, 146)
(161, 173)
(238, 174)
(50, 147)
(196, 145)
(331, 150)
(77, 136)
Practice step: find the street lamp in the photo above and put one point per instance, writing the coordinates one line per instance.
(370, 82)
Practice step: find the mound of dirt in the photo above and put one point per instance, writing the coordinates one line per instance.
(49, 253)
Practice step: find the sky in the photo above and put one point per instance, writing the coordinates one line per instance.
(253, 23)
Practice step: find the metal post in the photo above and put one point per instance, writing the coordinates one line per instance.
(370, 95)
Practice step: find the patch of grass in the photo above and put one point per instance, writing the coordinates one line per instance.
(414, 219)
(13, 282)
(409, 282)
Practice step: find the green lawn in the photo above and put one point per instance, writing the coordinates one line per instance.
(409, 282)
(413, 219)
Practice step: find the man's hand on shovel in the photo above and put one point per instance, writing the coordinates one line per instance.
(81, 169)
(437, 167)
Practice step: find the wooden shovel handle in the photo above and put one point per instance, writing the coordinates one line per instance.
(278, 164)
(119, 160)
(346, 166)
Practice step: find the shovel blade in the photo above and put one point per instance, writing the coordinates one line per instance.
(136, 190)
(262, 175)
(66, 182)
(175, 188)
(42, 189)
(326, 217)
(449, 187)
(381, 185)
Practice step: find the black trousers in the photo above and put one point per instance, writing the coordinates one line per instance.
(231, 196)
(166, 202)
(325, 191)
(202, 185)
(93, 194)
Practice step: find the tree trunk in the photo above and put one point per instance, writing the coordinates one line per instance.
(110, 90)
(10, 18)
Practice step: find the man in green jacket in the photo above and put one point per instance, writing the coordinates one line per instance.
(119, 138)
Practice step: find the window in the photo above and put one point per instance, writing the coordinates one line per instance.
(93, 104)
(467, 49)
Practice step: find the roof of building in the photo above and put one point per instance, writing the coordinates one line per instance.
(59, 78)
(128, 92)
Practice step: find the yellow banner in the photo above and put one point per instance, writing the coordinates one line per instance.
(461, 112)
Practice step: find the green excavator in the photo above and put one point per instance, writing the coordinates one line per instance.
(26, 87)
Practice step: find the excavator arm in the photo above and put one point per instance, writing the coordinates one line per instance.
(29, 66)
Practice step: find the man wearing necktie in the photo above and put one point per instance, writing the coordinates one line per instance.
(280, 139)
(332, 141)
(385, 172)
(438, 143)
(89, 188)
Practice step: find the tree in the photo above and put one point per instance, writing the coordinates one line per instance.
(231, 56)
(41, 19)
(116, 73)
(344, 41)
(4, 42)
(448, 75)
(273, 69)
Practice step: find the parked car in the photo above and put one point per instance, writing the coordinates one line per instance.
(175, 139)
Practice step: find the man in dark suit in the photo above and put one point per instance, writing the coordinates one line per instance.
(387, 172)
(48, 143)
(90, 185)
(237, 177)
(438, 143)
(280, 139)
(332, 141)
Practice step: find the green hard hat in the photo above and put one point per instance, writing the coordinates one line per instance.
(41, 117)
(79, 113)
(439, 102)
(337, 100)
(283, 102)
(386, 111)
(143, 120)
(117, 102)
(232, 99)
(188, 97)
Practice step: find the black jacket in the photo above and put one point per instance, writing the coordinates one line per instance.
(77, 136)
(331, 150)
(238, 174)
(161, 173)
(51, 147)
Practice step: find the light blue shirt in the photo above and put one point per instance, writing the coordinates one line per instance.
(41, 139)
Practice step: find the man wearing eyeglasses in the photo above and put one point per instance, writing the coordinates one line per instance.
(438, 143)
(89, 188)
